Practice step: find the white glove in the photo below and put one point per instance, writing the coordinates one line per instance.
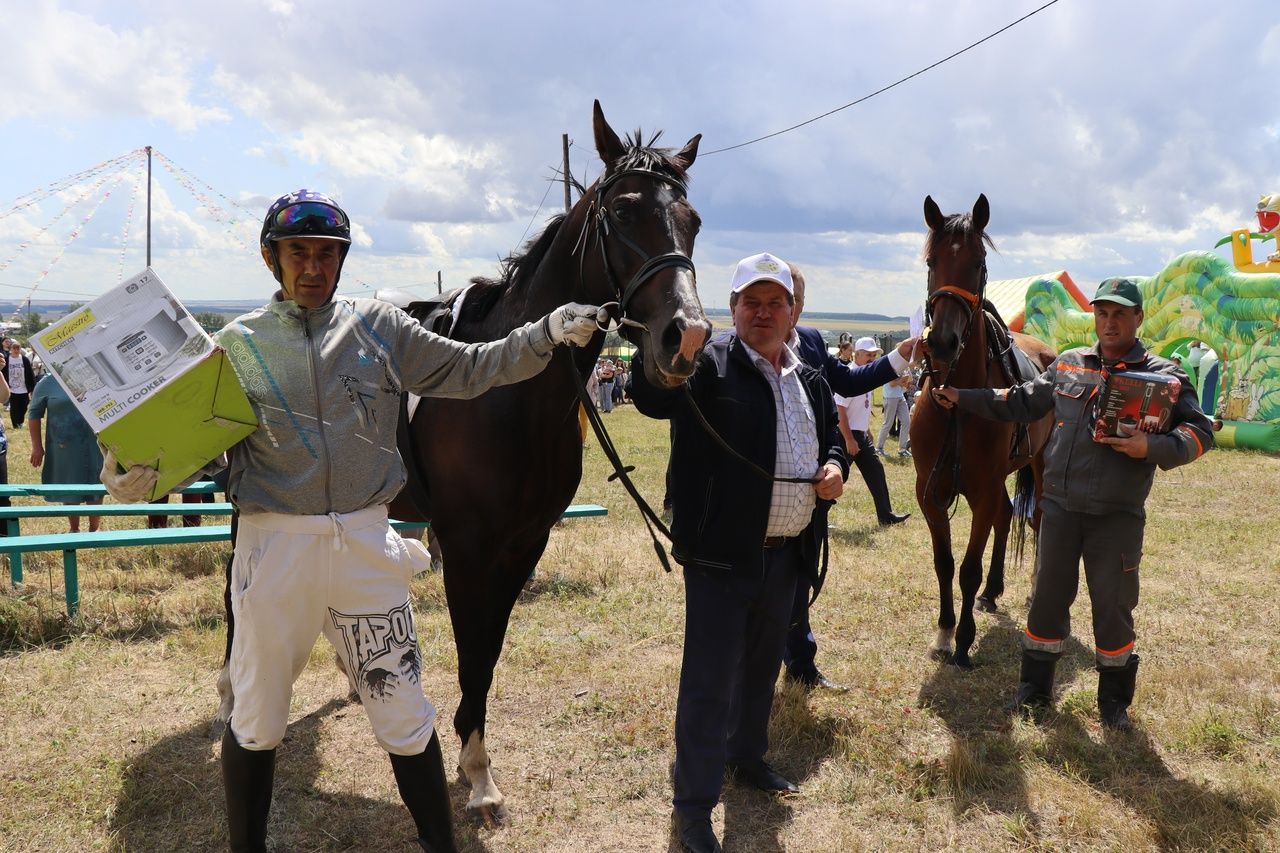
(131, 487)
(574, 323)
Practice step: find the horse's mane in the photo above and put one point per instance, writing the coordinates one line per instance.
(957, 226)
(518, 267)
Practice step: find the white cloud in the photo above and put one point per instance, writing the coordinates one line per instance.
(58, 61)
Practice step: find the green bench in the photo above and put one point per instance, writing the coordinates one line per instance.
(70, 543)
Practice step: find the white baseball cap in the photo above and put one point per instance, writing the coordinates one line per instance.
(866, 345)
(761, 267)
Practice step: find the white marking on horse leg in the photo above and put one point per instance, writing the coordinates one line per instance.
(942, 641)
(474, 761)
(226, 704)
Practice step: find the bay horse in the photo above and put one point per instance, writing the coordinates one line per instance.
(502, 467)
(962, 454)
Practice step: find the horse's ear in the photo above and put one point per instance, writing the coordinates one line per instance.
(933, 215)
(608, 145)
(689, 152)
(981, 212)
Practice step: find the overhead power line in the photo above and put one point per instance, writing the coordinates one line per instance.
(883, 89)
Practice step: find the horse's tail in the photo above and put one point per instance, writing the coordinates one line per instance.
(1024, 499)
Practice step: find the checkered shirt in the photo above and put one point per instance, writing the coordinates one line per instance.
(791, 505)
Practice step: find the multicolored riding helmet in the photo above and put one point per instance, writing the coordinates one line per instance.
(305, 213)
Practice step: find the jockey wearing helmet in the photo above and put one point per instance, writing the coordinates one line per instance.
(314, 553)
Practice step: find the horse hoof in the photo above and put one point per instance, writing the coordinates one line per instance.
(940, 655)
(961, 661)
(985, 605)
(492, 815)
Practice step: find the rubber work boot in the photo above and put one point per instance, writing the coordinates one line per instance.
(425, 792)
(247, 776)
(1035, 688)
(1115, 694)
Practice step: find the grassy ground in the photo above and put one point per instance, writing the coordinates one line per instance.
(103, 721)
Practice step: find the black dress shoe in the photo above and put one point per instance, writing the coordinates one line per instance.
(696, 835)
(814, 678)
(894, 518)
(758, 774)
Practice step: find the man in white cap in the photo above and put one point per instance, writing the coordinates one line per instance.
(742, 534)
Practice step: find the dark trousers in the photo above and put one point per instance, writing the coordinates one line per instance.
(872, 471)
(1111, 547)
(18, 408)
(733, 638)
(802, 647)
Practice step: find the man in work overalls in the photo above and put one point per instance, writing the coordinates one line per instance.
(1094, 496)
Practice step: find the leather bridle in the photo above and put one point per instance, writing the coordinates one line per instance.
(606, 228)
(970, 301)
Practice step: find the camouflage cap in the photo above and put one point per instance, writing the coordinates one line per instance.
(1122, 291)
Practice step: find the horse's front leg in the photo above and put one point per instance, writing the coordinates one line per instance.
(944, 568)
(971, 573)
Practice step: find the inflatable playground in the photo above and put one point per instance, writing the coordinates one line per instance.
(1229, 309)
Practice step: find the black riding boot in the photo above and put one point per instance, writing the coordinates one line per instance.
(1115, 694)
(425, 792)
(247, 776)
(1035, 687)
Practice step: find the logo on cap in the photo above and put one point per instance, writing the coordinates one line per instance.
(767, 265)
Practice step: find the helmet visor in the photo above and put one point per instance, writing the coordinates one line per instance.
(296, 216)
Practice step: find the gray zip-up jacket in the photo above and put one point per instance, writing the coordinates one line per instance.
(1080, 474)
(326, 385)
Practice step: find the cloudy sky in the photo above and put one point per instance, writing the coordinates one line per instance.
(1108, 136)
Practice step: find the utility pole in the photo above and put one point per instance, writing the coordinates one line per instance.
(439, 283)
(148, 205)
(564, 145)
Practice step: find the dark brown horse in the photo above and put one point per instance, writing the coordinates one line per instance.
(960, 454)
(503, 467)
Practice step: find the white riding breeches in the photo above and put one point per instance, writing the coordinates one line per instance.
(346, 576)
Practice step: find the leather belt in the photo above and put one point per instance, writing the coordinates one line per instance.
(778, 541)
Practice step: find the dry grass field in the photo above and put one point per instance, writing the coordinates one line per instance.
(103, 721)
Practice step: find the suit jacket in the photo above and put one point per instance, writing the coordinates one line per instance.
(720, 507)
(847, 380)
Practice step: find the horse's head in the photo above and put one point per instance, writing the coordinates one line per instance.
(642, 229)
(956, 253)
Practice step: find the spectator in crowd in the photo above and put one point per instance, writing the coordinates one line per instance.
(619, 379)
(68, 451)
(4, 453)
(894, 406)
(22, 381)
(607, 373)
(742, 539)
(860, 449)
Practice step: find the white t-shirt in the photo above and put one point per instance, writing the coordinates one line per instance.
(857, 410)
(17, 376)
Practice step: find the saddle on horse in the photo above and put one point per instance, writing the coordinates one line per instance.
(1015, 366)
(437, 314)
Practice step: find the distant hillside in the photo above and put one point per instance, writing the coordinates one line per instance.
(833, 323)
(811, 316)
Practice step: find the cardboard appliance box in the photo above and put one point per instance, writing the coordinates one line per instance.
(151, 383)
(1133, 399)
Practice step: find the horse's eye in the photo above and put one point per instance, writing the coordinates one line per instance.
(622, 212)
